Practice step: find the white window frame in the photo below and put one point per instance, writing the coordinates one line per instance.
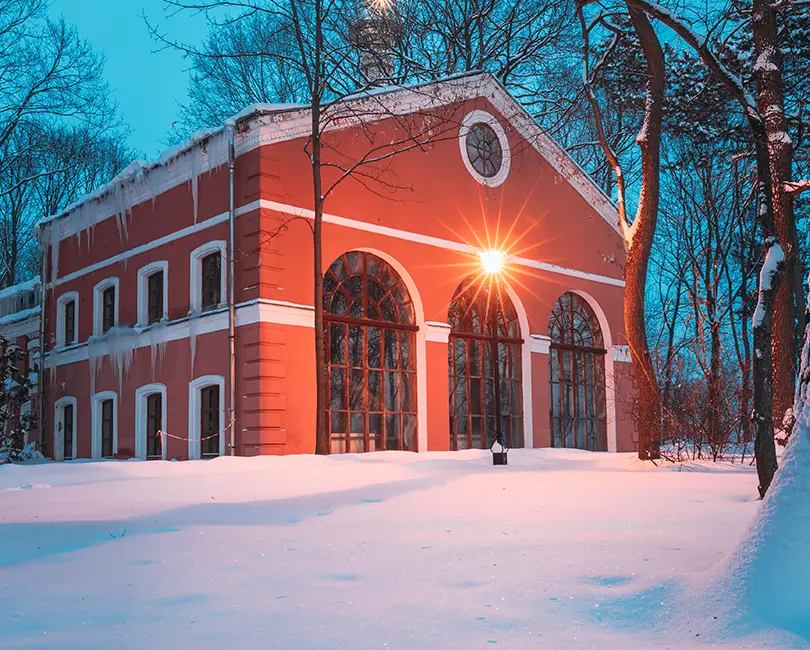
(61, 302)
(194, 404)
(195, 288)
(474, 117)
(58, 412)
(143, 290)
(98, 305)
(98, 398)
(140, 417)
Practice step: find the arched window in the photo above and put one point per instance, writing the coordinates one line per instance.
(370, 343)
(482, 319)
(577, 376)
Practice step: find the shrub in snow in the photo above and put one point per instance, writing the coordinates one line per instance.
(15, 388)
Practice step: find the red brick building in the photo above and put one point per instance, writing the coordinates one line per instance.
(139, 307)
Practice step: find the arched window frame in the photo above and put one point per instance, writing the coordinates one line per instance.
(194, 407)
(403, 320)
(507, 332)
(564, 342)
(141, 395)
(96, 426)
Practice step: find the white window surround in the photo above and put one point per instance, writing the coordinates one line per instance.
(58, 441)
(98, 311)
(195, 289)
(194, 404)
(474, 117)
(143, 290)
(98, 398)
(61, 301)
(140, 416)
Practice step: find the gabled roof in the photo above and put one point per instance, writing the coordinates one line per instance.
(262, 124)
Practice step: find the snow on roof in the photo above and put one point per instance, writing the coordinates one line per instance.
(29, 285)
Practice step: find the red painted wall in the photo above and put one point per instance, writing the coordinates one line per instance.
(535, 214)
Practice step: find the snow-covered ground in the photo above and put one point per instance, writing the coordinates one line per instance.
(560, 549)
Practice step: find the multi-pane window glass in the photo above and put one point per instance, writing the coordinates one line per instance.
(67, 431)
(108, 309)
(154, 425)
(70, 321)
(211, 280)
(209, 421)
(155, 297)
(577, 376)
(107, 424)
(484, 150)
(372, 358)
(483, 324)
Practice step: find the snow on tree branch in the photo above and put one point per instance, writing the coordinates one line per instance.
(797, 187)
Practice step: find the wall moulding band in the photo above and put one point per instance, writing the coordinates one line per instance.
(276, 312)
(296, 211)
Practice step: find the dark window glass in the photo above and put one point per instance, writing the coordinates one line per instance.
(155, 297)
(67, 429)
(370, 339)
(209, 421)
(70, 322)
(484, 325)
(211, 280)
(576, 376)
(108, 309)
(484, 150)
(107, 424)
(154, 425)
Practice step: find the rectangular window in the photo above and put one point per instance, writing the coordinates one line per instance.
(70, 322)
(107, 423)
(211, 280)
(155, 292)
(108, 309)
(209, 424)
(67, 429)
(154, 425)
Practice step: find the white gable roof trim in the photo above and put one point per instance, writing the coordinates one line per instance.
(263, 125)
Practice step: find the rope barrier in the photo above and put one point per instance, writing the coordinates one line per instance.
(166, 434)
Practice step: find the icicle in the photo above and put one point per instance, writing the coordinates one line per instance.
(157, 344)
(118, 345)
(193, 317)
(196, 156)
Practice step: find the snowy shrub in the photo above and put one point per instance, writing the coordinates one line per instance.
(16, 386)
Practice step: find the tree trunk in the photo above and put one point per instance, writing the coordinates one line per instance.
(762, 413)
(322, 442)
(770, 101)
(649, 140)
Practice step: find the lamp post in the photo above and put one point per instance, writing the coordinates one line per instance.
(492, 261)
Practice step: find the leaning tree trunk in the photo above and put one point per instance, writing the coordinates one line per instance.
(640, 245)
(787, 306)
(762, 413)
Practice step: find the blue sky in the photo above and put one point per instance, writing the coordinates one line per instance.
(149, 85)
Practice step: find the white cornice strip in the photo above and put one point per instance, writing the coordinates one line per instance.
(278, 312)
(429, 240)
(356, 224)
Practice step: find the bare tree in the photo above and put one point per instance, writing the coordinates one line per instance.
(50, 85)
(639, 234)
(324, 60)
